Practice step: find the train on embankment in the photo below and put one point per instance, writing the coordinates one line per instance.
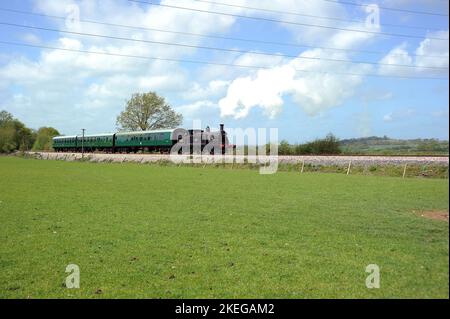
(161, 141)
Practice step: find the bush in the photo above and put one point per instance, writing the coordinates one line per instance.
(44, 139)
(284, 148)
(326, 146)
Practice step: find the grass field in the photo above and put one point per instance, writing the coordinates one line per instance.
(149, 231)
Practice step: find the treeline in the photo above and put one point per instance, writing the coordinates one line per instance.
(329, 145)
(389, 146)
(15, 136)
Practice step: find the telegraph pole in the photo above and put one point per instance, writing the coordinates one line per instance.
(82, 143)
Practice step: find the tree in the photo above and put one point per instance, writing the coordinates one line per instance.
(14, 135)
(44, 137)
(5, 117)
(148, 111)
(329, 145)
(7, 143)
(284, 148)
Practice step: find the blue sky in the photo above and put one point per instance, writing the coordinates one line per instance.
(68, 90)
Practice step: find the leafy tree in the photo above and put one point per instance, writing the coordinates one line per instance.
(14, 135)
(284, 148)
(7, 133)
(5, 117)
(44, 137)
(327, 146)
(148, 111)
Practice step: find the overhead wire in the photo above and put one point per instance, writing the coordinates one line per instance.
(211, 63)
(141, 28)
(218, 48)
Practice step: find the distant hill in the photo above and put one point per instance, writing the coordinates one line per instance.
(388, 146)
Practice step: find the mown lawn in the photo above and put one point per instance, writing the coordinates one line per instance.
(177, 232)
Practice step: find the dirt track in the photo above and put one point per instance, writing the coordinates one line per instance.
(316, 160)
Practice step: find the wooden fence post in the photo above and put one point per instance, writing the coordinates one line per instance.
(404, 170)
(348, 169)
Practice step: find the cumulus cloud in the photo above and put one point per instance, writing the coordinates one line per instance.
(307, 79)
(264, 90)
(317, 85)
(435, 49)
(195, 109)
(429, 55)
(213, 88)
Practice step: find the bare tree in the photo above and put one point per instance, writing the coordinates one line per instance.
(148, 111)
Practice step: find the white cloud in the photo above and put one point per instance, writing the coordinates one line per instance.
(437, 56)
(31, 38)
(197, 108)
(265, 90)
(388, 117)
(434, 48)
(396, 56)
(306, 79)
(212, 89)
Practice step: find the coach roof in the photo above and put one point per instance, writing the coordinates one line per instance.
(64, 137)
(145, 132)
(96, 135)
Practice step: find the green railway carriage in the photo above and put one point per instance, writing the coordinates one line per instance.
(96, 142)
(64, 143)
(157, 140)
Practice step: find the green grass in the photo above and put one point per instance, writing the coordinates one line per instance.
(177, 232)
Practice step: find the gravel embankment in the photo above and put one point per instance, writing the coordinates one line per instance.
(315, 160)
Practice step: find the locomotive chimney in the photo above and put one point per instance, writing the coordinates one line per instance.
(222, 137)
